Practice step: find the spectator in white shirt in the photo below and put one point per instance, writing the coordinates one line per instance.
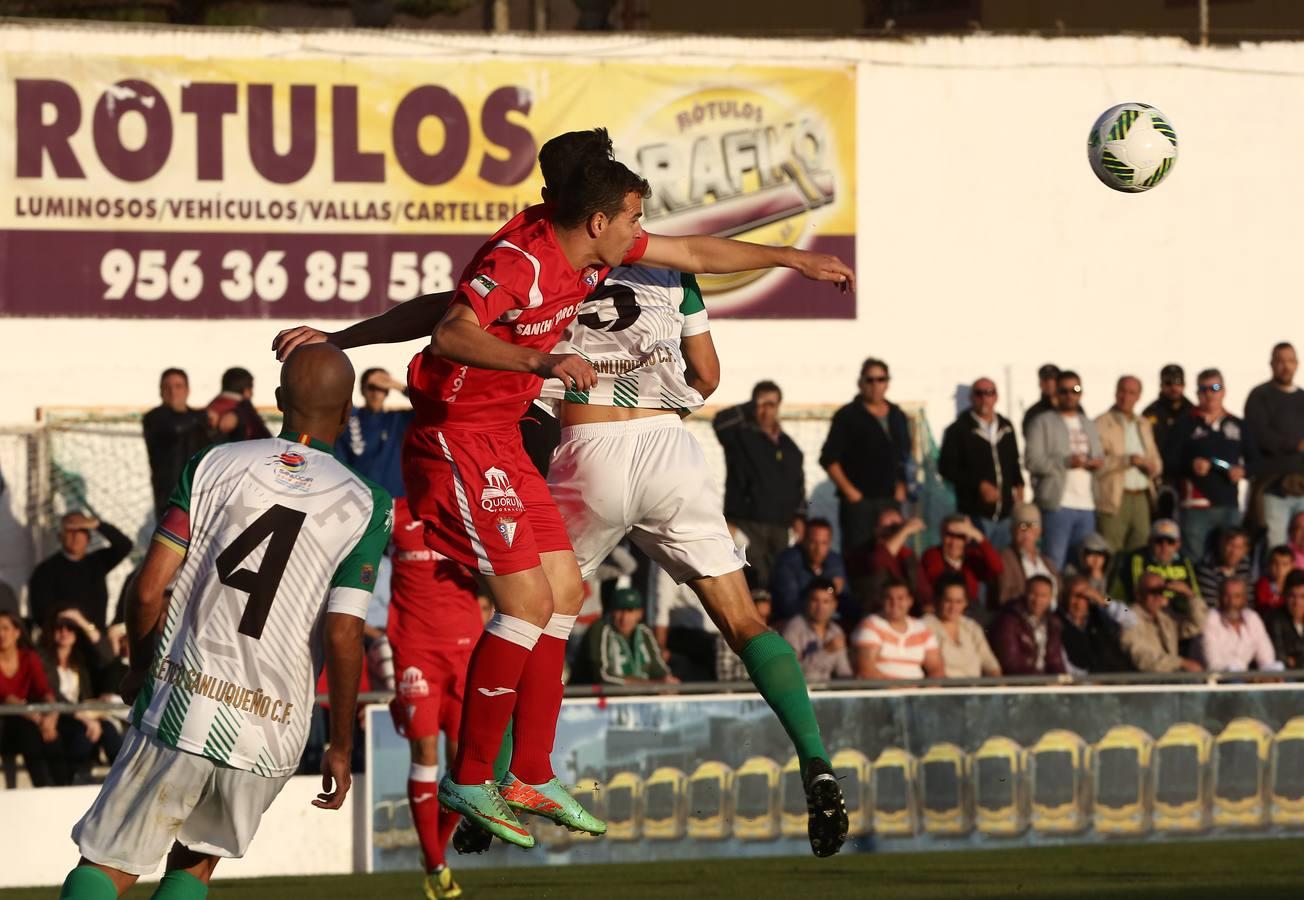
(820, 643)
(964, 647)
(1234, 636)
(894, 645)
(684, 631)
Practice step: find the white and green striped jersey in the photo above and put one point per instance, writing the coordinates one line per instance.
(275, 533)
(630, 329)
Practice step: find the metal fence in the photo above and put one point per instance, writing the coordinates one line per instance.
(1003, 683)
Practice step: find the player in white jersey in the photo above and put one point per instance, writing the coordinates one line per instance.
(274, 546)
(626, 465)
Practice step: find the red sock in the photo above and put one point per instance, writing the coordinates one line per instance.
(534, 726)
(423, 790)
(447, 824)
(491, 684)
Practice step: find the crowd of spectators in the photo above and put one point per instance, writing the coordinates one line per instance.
(1161, 541)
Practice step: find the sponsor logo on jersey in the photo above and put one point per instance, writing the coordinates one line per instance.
(498, 494)
(482, 284)
(412, 684)
(368, 574)
(507, 528)
(290, 468)
(293, 461)
(544, 326)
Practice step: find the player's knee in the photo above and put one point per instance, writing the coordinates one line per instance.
(740, 630)
(568, 598)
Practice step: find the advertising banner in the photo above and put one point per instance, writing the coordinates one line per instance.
(713, 776)
(162, 186)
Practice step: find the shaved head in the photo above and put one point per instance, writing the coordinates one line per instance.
(316, 391)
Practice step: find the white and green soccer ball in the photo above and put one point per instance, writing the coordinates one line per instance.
(1132, 147)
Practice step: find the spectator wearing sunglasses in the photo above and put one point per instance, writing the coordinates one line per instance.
(1163, 557)
(1125, 484)
(865, 455)
(372, 444)
(1064, 452)
(980, 458)
(1212, 452)
(1153, 644)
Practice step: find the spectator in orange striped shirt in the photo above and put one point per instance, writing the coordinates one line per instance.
(894, 645)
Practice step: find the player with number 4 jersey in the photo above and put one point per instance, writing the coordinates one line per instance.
(274, 546)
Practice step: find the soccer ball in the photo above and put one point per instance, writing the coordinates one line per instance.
(1132, 147)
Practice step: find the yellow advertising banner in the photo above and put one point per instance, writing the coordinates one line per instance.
(163, 186)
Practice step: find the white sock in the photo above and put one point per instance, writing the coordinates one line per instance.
(423, 774)
(560, 626)
(518, 631)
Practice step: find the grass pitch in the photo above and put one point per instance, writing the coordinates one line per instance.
(1263, 870)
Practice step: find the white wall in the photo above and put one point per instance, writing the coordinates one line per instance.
(294, 838)
(985, 244)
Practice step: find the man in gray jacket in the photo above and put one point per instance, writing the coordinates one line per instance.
(1064, 451)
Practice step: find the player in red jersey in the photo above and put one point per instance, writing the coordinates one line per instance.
(582, 236)
(483, 503)
(434, 622)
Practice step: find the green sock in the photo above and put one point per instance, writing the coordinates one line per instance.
(180, 885)
(88, 883)
(774, 669)
(503, 762)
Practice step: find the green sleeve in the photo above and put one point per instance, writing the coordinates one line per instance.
(656, 664)
(180, 497)
(692, 302)
(359, 568)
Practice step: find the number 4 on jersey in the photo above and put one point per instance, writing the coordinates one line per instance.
(283, 525)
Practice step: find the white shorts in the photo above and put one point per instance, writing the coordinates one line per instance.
(647, 478)
(155, 795)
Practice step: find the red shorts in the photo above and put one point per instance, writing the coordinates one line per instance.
(429, 696)
(483, 502)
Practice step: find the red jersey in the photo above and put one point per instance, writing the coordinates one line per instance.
(433, 603)
(524, 291)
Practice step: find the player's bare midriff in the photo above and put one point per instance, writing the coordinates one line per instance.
(584, 414)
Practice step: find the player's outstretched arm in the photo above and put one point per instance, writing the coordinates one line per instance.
(460, 338)
(146, 605)
(704, 254)
(343, 636)
(408, 321)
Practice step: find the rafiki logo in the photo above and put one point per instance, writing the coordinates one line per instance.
(498, 495)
